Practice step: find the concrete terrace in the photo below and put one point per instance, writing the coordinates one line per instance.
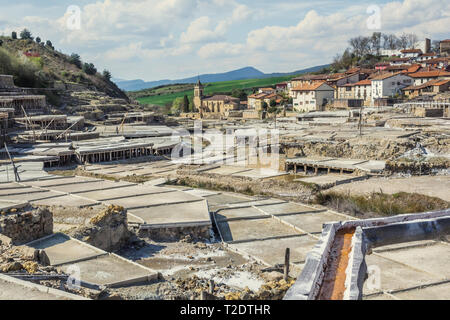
(262, 228)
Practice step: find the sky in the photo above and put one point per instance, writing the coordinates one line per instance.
(173, 39)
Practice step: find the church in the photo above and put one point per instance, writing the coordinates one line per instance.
(217, 104)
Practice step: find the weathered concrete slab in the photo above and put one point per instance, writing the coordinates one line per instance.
(127, 191)
(394, 275)
(184, 213)
(227, 170)
(433, 259)
(90, 186)
(61, 249)
(272, 251)
(155, 199)
(435, 292)
(9, 204)
(222, 199)
(202, 192)
(111, 270)
(66, 201)
(15, 289)
(17, 191)
(59, 182)
(286, 208)
(254, 229)
(259, 174)
(238, 213)
(311, 222)
(35, 196)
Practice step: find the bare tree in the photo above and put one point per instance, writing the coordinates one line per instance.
(412, 40)
(375, 43)
(390, 41)
(360, 45)
(403, 41)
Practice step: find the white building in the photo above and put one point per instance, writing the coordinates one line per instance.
(390, 84)
(312, 97)
(411, 53)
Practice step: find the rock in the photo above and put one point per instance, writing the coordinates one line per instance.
(28, 253)
(273, 276)
(12, 267)
(30, 266)
(43, 258)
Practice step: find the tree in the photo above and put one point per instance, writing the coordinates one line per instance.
(412, 40)
(14, 35)
(403, 41)
(26, 34)
(89, 68)
(375, 43)
(239, 93)
(49, 44)
(264, 106)
(75, 59)
(185, 104)
(38, 40)
(177, 106)
(107, 75)
(390, 41)
(1, 42)
(360, 45)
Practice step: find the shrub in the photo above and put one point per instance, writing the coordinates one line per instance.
(89, 68)
(75, 59)
(107, 75)
(26, 34)
(38, 40)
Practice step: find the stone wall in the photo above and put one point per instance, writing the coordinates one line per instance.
(26, 224)
(108, 230)
(176, 233)
(6, 82)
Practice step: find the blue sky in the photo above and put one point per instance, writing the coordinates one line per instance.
(169, 39)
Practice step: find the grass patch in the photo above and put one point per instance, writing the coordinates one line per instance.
(162, 97)
(380, 204)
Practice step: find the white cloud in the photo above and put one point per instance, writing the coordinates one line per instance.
(220, 49)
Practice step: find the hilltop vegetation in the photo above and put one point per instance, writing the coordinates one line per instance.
(36, 64)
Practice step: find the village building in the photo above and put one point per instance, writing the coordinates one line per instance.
(363, 90)
(217, 104)
(410, 53)
(422, 77)
(431, 87)
(313, 97)
(426, 56)
(445, 47)
(389, 85)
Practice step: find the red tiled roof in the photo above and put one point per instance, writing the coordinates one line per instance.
(386, 76)
(309, 87)
(430, 74)
(411, 51)
(366, 82)
(427, 84)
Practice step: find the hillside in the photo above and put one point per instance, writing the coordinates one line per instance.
(239, 74)
(42, 67)
(164, 95)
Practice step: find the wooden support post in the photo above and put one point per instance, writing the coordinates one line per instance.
(211, 286)
(286, 263)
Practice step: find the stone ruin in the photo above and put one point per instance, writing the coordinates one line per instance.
(21, 226)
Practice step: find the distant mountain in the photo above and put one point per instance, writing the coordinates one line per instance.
(240, 74)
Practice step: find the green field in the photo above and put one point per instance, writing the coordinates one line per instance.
(213, 88)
